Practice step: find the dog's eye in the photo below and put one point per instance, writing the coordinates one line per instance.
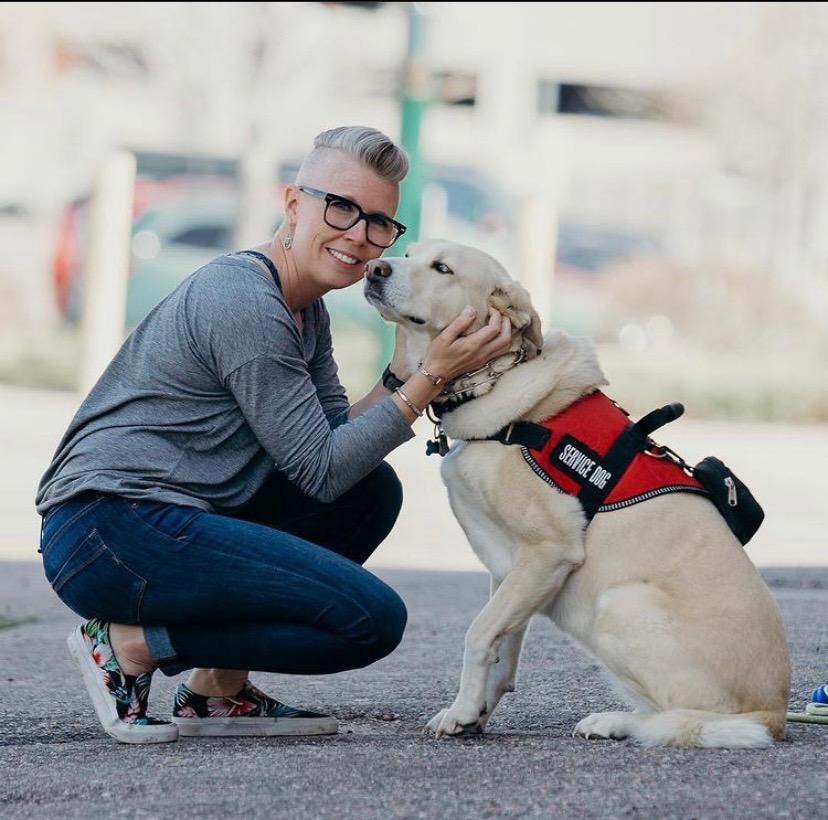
(441, 267)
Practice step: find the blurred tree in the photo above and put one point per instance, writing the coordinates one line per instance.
(766, 107)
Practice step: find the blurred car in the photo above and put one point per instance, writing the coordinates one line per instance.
(176, 221)
(586, 249)
(590, 262)
(181, 223)
(171, 241)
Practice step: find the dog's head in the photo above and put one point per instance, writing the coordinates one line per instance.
(425, 290)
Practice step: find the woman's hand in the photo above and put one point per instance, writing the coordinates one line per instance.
(452, 353)
(449, 355)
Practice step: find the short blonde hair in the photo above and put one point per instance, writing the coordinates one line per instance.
(375, 149)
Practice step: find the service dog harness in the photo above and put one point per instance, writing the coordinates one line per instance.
(593, 451)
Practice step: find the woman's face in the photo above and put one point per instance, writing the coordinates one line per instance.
(336, 258)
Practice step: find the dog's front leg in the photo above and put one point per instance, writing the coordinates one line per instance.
(503, 674)
(534, 580)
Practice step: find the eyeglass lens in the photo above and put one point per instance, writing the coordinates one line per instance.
(343, 214)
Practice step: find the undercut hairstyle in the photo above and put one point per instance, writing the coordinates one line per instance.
(371, 147)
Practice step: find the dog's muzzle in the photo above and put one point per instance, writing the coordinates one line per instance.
(377, 272)
(377, 269)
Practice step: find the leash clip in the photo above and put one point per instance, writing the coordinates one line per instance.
(662, 451)
(439, 444)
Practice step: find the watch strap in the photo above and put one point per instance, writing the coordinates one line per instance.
(390, 380)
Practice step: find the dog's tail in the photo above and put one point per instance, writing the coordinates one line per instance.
(696, 728)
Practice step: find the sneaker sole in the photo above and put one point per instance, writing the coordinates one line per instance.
(104, 703)
(255, 727)
(817, 709)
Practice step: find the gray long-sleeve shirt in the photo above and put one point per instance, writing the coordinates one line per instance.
(214, 389)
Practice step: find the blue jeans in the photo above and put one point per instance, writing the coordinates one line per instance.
(276, 587)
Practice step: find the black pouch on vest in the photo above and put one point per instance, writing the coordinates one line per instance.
(733, 499)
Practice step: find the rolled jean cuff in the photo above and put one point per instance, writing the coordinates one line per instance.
(161, 648)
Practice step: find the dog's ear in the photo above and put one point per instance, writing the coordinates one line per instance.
(514, 302)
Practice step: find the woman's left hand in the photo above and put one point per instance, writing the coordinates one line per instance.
(452, 353)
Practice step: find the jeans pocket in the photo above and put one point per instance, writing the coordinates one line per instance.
(168, 520)
(59, 521)
(94, 582)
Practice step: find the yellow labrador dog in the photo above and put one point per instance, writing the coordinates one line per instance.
(661, 592)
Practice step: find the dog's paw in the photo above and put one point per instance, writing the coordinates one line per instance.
(604, 726)
(452, 723)
(434, 724)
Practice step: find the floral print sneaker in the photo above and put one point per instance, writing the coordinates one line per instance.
(120, 700)
(251, 712)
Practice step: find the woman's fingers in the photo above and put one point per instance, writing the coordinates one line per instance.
(452, 352)
(494, 337)
(502, 341)
(459, 326)
(464, 321)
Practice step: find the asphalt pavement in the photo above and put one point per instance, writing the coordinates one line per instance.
(55, 760)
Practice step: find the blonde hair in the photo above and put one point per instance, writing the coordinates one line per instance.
(373, 148)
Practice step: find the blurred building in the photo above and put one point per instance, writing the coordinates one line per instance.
(685, 135)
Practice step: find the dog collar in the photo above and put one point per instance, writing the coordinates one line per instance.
(463, 388)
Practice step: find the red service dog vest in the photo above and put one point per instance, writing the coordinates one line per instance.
(572, 460)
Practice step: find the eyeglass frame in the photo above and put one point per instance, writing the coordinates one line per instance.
(361, 214)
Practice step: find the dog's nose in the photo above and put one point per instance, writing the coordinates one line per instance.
(378, 268)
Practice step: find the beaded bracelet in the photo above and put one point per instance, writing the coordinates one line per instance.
(410, 404)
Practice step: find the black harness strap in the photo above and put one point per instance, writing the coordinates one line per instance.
(620, 455)
(526, 433)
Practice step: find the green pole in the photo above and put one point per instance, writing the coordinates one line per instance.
(414, 99)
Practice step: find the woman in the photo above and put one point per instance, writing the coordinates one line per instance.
(211, 504)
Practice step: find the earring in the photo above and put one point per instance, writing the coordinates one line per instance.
(287, 241)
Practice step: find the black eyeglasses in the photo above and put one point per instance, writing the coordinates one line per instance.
(342, 214)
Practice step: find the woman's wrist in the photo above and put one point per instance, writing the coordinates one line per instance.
(415, 395)
(437, 379)
(390, 380)
(408, 403)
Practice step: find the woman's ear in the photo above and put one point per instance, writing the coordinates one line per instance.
(514, 302)
(291, 201)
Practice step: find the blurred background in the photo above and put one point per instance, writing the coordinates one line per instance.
(655, 173)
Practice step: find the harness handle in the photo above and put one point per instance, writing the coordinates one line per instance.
(658, 418)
